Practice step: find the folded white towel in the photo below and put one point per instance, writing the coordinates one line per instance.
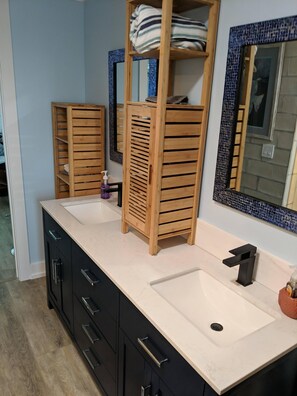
(66, 168)
(145, 30)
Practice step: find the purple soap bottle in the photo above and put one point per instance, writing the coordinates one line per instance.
(104, 186)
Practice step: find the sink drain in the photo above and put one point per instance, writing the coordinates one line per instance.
(216, 327)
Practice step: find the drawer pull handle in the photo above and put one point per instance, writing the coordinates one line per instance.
(55, 235)
(90, 333)
(145, 390)
(57, 270)
(152, 351)
(89, 277)
(54, 271)
(93, 362)
(90, 305)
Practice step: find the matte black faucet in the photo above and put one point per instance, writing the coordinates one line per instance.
(244, 256)
(118, 189)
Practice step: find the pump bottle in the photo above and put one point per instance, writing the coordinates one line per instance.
(105, 186)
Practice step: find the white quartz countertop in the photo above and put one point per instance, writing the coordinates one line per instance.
(124, 258)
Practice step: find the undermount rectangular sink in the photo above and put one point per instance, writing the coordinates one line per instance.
(91, 212)
(217, 311)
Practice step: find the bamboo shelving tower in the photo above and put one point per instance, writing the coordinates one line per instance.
(78, 137)
(164, 144)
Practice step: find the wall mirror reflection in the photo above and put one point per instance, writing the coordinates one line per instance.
(265, 158)
(257, 155)
(144, 74)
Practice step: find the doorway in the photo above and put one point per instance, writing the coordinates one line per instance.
(12, 148)
(7, 261)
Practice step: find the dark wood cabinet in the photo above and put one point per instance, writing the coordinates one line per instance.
(125, 353)
(58, 269)
(168, 372)
(136, 375)
(96, 309)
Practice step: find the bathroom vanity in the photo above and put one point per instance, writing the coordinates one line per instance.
(115, 301)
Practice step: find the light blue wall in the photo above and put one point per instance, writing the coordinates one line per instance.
(104, 31)
(48, 54)
(262, 234)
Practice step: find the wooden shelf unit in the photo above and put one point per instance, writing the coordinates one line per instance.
(164, 144)
(175, 54)
(78, 137)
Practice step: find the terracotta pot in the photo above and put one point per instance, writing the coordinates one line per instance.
(288, 304)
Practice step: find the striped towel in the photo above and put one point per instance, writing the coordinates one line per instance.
(145, 30)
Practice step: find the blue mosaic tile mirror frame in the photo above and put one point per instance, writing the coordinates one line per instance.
(273, 31)
(114, 57)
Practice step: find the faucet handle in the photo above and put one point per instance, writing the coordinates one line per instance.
(244, 251)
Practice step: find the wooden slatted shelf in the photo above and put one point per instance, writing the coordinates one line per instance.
(63, 177)
(175, 54)
(62, 139)
(164, 144)
(178, 5)
(78, 142)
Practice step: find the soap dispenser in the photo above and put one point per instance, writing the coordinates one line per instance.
(104, 186)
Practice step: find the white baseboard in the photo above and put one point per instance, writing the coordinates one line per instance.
(37, 270)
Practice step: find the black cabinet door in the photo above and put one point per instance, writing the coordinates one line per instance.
(58, 269)
(64, 280)
(51, 260)
(136, 376)
(159, 387)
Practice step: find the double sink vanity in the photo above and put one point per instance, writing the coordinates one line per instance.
(173, 324)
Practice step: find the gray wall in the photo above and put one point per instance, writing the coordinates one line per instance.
(48, 55)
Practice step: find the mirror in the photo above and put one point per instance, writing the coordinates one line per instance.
(257, 155)
(144, 85)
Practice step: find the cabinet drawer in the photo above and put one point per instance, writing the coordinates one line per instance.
(95, 361)
(88, 336)
(175, 371)
(57, 235)
(96, 293)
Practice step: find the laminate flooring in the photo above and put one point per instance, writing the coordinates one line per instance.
(7, 261)
(37, 357)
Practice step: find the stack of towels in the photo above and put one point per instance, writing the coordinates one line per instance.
(145, 30)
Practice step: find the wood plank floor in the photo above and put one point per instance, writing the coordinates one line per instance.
(7, 262)
(37, 357)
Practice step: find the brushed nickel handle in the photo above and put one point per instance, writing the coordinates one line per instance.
(152, 351)
(90, 333)
(59, 267)
(87, 301)
(93, 362)
(55, 235)
(57, 270)
(89, 277)
(145, 390)
(54, 271)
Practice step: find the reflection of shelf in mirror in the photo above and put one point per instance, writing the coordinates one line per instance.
(63, 177)
(175, 54)
(178, 5)
(63, 139)
(169, 106)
